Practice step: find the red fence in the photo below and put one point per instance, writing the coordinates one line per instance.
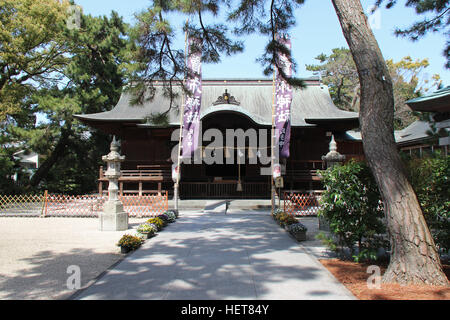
(145, 206)
(52, 205)
(72, 206)
(26, 205)
(301, 204)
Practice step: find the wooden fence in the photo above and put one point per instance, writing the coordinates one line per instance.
(53, 205)
(301, 203)
(29, 205)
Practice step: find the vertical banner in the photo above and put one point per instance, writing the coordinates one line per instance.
(283, 100)
(191, 116)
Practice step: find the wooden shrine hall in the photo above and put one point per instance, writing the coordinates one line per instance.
(226, 104)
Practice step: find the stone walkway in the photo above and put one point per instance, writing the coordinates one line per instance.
(218, 255)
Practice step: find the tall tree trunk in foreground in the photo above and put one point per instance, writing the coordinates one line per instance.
(414, 258)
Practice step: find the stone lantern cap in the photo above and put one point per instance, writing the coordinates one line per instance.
(333, 155)
(114, 155)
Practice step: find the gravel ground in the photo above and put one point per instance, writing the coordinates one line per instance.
(35, 255)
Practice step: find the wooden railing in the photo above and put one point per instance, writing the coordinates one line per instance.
(152, 178)
(302, 175)
(307, 164)
(304, 170)
(143, 174)
(224, 190)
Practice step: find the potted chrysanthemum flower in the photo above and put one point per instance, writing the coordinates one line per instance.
(147, 230)
(298, 231)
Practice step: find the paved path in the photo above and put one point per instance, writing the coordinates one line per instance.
(218, 256)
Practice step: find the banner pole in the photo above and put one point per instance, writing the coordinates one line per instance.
(272, 196)
(177, 183)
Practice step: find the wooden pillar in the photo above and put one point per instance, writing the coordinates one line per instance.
(121, 189)
(159, 188)
(140, 188)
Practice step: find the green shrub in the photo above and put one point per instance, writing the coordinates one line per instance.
(430, 178)
(352, 206)
(328, 241)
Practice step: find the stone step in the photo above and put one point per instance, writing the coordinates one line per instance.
(216, 206)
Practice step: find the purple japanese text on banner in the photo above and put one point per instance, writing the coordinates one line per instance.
(283, 100)
(191, 116)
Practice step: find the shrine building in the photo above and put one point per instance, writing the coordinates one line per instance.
(227, 104)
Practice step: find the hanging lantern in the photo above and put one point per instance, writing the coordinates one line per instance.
(239, 186)
(204, 151)
(250, 153)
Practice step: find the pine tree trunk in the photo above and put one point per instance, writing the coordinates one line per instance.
(59, 150)
(414, 258)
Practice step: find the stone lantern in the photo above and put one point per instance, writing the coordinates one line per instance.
(333, 157)
(113, 218)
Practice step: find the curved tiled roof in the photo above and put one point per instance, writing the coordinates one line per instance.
(418, 131)
(254, 97)
(415, 131)
(438, 101)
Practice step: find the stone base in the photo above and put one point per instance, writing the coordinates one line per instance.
(113, 217)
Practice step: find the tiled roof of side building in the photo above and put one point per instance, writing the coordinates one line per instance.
(438, 101)
(416, 131)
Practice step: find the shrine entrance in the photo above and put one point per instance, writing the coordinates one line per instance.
(232, 175)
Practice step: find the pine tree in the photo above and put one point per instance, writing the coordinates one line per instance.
(61, 72)
(31, 52)
(438, 22)
(95, 76)
(414, 258)
(339, 73)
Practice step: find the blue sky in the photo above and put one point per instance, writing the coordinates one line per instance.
(317, 31)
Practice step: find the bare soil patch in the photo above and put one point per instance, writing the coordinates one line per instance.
(354, 276)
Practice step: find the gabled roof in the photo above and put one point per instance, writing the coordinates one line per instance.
(310, 105)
